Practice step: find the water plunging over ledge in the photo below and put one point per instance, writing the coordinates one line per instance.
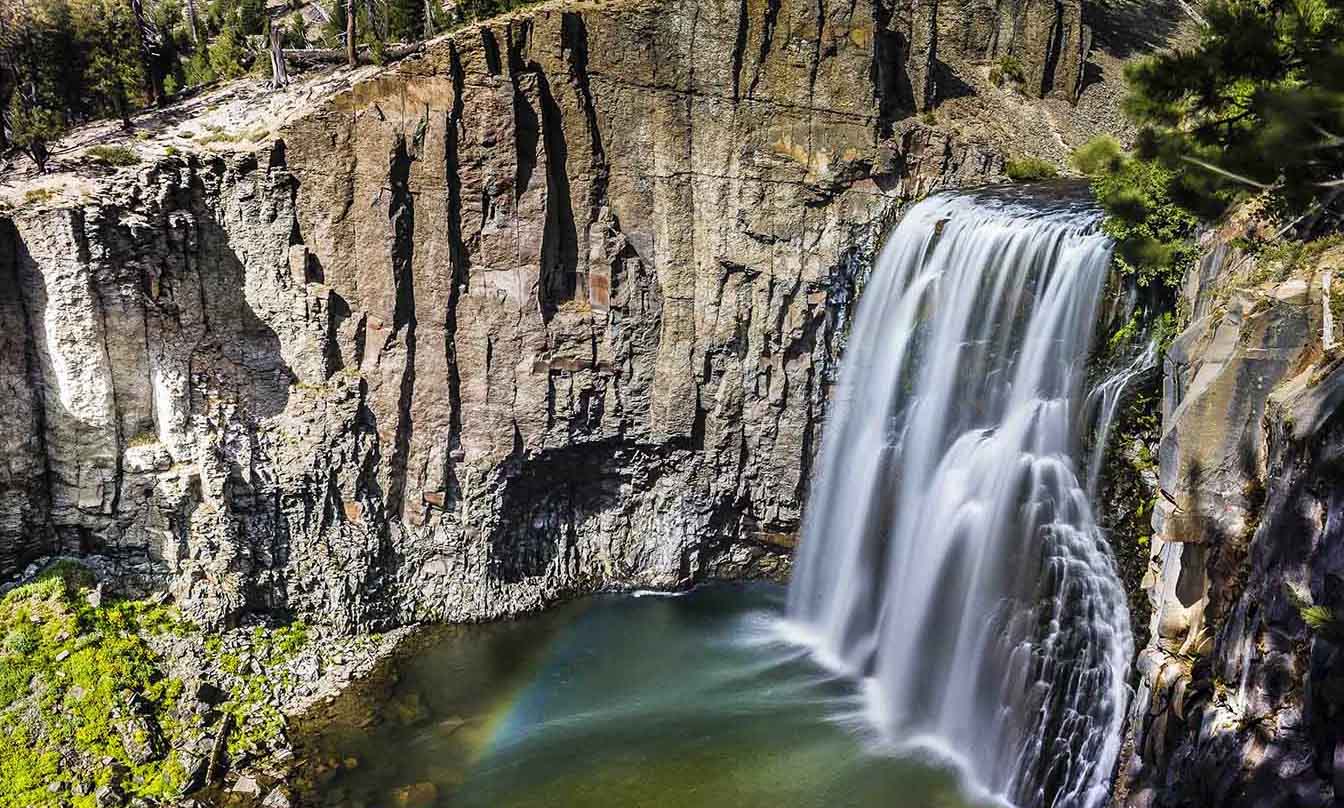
(950, 559)
(951, 580)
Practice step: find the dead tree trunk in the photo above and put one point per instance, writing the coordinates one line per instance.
(279, 76)
(191, 22)
(152, 85)
(350, 13)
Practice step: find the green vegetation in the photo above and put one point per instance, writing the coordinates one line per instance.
(1257, 107)
(66, 62)
(1154, 235)
(81, 682)
(1321, 620)
(215, 135)
(1030, 169)
(1007, 69)
(1280, 260)
(68, 670)
(38, 196)
(113, 155)
(256, 719)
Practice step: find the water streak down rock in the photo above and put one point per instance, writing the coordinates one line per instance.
(950, 553)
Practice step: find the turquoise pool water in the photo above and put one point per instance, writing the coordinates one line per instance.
(692, 700)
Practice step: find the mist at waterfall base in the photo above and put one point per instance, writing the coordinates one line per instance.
(619, 701)
(954, 635)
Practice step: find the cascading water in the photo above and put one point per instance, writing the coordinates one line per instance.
(950, 556)
(1104, 400)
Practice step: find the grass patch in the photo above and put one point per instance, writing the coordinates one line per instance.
(39, 196)
(67, 669)
(145, 437)
(218, 135)
(1007, 69)
(256, 719)
(1030, 169)
(1281, 260)
(115, 156)
(81, 683)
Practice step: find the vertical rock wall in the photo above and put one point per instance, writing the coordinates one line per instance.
(1239, 700)
(553, 307)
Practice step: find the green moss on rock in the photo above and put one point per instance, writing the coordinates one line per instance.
(79, 684)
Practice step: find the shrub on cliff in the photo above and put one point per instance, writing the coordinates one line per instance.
(115, 156)
(1030, 169)
(1154, 234)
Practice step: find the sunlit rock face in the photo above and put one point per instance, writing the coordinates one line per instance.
(1238, 700)
(552, 307)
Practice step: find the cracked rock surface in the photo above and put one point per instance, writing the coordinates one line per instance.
(1239, 697)
(553, 307)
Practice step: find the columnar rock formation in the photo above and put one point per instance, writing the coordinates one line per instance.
(553, 307)
(1238, 702)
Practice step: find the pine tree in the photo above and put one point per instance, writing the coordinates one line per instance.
(114, 74)
(40, 84)
(1256, 106)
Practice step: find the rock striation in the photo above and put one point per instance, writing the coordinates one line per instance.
(552, 307)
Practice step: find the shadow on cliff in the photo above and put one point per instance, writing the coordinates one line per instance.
(254, 372)
(1283, 679)
(1125, 28)
(548, 497)
(24, 533)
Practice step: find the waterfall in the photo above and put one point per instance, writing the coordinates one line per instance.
(1104, 400)
(950, 557)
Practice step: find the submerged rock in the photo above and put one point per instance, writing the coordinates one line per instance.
(417, 795)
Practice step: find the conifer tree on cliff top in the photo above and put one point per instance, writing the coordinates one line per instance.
(1256, 107)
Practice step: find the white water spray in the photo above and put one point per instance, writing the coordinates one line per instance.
(950, 554)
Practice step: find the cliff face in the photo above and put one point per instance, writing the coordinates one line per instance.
(553, 307)
(1239, 697)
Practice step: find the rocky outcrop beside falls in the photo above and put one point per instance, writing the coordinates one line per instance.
(1239, 694)
(552, 307)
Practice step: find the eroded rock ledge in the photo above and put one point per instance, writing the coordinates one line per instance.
(1239, 693)
(553, 307)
